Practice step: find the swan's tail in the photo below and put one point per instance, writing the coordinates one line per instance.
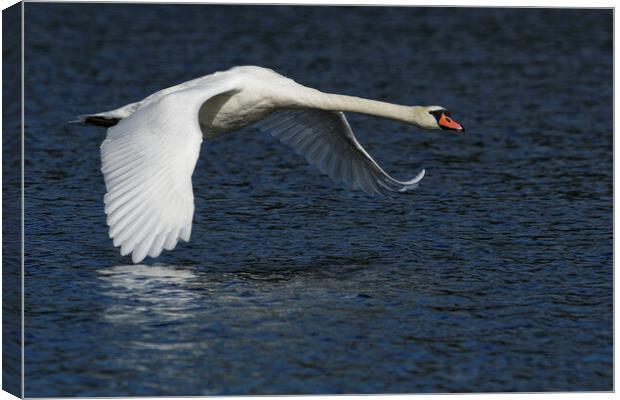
(95, 119)
(108, 118)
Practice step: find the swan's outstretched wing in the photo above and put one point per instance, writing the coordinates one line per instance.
(325, 139)
(147, 161)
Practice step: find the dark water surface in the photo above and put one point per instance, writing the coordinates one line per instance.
(494, 275)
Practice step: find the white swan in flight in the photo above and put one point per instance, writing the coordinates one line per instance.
(152, 146)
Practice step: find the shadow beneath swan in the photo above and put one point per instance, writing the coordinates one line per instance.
(282, 267)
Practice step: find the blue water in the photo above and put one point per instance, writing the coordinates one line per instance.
(494, 275)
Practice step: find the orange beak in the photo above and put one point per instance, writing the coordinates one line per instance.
(448, 123)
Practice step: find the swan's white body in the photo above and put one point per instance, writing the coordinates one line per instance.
(148, 158)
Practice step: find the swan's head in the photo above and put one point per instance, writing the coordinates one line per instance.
(436, 117)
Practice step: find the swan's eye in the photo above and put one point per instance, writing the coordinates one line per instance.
(438, 113)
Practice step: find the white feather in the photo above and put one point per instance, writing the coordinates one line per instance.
(147, 161)
(326, 140)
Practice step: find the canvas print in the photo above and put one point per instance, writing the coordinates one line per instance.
(273, 200)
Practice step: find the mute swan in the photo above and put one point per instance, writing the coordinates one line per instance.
(152, 146)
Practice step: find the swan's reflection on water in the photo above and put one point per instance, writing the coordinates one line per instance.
(146, 294)
(188, 316)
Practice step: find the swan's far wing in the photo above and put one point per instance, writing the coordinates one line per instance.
(147, 161)
(325, 139)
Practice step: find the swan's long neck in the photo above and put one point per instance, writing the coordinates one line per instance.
(311, 98)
